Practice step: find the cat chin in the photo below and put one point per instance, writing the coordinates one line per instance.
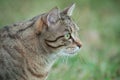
(68, 54)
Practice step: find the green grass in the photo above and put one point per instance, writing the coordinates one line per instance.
(99, 22)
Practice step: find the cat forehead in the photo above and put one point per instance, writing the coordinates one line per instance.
(65, 17)
(70, 24)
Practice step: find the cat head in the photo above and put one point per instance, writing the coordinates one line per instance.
(58, 31)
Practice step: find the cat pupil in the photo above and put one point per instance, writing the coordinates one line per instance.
(67, 36)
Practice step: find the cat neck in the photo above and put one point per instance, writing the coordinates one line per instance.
(48, 55)
(39, 60)
(38, 52)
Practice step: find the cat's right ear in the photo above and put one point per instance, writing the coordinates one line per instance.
(52, 16)
(69, 10)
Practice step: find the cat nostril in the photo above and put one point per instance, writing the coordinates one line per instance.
(79, 44)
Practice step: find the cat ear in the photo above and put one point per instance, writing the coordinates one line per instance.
(50, 19)
(69, 10)
(53, 16)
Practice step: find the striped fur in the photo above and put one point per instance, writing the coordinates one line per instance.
(28, 49)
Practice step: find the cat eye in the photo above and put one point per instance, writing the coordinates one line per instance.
(67, 36)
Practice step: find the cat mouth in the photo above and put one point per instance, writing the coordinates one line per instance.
(72, 50)
(69, 51)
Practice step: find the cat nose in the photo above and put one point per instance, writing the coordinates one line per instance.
(79, 44)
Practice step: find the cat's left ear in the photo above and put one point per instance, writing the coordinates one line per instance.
(69, 10)
(49, 19)
(53, 16)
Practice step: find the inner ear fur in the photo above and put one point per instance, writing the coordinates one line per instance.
(48, 19)
(52, 16)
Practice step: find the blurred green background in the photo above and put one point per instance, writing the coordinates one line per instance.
(99, 22)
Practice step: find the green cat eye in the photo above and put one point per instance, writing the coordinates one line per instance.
(67, 36)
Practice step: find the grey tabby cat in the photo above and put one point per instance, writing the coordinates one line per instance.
(28, 49)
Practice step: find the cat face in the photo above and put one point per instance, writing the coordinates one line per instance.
(60, 32)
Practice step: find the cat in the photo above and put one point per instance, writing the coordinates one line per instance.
(28, 49)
